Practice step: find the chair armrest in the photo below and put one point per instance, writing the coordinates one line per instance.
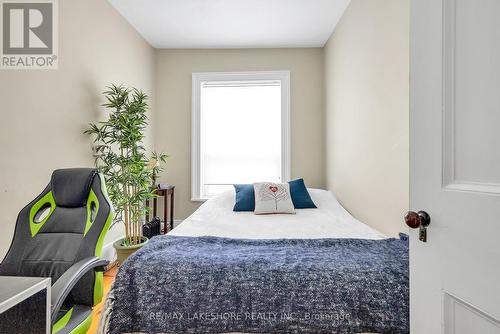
(62, 287)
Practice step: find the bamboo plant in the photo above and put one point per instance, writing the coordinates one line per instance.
(121, 157)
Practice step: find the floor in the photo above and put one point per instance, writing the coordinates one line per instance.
(109, 276)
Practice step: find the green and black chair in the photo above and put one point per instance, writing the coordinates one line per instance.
(60, 235)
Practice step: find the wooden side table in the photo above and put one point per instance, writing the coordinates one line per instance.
(168, 207)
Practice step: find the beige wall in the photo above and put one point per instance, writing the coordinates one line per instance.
(173, 112)
(43, 112)
(366, 98)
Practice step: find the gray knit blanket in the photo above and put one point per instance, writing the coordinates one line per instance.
(219, 285)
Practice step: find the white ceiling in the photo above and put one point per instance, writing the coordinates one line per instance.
(233, 23)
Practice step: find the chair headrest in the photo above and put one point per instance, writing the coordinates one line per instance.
(71, 186)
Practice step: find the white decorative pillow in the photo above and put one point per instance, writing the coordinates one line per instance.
(272, 198)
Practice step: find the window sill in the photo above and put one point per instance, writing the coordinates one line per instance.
(199, 199)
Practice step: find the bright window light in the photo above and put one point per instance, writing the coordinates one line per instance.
(239, 133)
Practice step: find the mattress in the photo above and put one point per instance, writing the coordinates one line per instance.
(330, 220)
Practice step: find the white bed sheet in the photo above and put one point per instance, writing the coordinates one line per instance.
(330, 220)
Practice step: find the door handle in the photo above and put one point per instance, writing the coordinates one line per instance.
(419, 220)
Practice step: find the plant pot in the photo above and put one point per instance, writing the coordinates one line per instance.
(124, 251)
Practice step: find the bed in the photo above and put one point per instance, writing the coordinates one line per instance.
(316, 271)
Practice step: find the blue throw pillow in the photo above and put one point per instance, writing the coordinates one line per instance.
(300, 196)
(245, 197)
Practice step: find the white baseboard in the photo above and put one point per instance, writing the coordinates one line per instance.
(108, 251)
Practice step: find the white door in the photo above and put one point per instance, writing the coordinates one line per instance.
(455, 166)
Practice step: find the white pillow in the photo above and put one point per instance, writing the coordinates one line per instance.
(272, 198)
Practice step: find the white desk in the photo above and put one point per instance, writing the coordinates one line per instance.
(20, 294)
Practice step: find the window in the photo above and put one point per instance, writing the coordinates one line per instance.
(240, 130)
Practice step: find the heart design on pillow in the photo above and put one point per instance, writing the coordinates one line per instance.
(272, 198)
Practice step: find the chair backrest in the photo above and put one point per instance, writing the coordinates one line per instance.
(67, 222)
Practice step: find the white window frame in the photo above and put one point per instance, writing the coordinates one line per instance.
(198, 78)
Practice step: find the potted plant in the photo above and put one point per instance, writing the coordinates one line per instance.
(121, 157)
